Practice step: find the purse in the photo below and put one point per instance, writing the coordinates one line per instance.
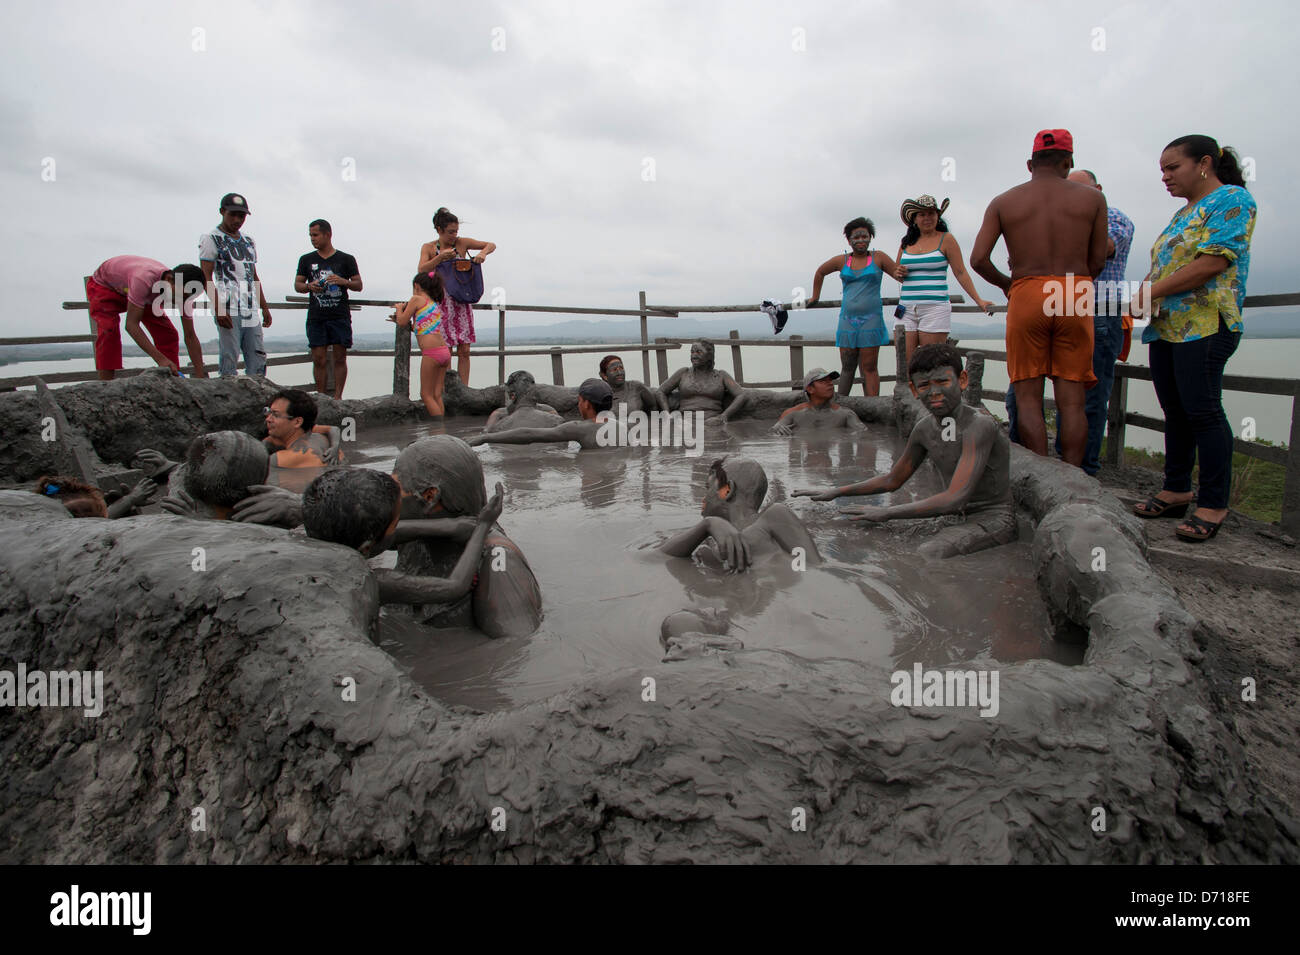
(462, 279)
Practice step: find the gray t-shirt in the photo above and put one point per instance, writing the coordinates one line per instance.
(234, 271)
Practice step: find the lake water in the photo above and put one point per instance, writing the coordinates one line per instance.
(1271, 414)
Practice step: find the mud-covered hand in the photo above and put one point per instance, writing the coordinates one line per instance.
(152, 462)
(179, 503)
(267, 504)
(816, 495)
(492, 510)
(731, 543)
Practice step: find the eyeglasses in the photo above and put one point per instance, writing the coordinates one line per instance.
(276, 414)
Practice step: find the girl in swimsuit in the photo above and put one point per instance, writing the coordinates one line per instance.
(861, 329)
(423, 312)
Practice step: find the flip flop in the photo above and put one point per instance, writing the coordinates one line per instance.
(1154, 507)
(1204, 530)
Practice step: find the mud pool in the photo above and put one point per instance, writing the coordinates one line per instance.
(589, 523)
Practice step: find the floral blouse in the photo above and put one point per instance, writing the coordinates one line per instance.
(1220, 224)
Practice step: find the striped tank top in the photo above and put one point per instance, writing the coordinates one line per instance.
(927, 276)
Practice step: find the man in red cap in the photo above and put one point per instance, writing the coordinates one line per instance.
(1056, 233)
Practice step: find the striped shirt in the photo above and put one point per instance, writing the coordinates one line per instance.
(927, 277)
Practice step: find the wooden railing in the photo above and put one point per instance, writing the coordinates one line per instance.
(1119, 417)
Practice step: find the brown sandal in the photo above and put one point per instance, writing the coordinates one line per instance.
(1154, 507)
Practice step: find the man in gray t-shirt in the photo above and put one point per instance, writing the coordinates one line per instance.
(229, 262)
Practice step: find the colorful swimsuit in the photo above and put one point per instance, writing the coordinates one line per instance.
(426, 322)
(861, 323)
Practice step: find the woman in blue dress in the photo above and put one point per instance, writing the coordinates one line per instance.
(861, 330)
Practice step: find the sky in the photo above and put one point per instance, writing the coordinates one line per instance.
(705, 153)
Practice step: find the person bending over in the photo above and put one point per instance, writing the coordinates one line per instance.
(971, 451)
(359, 508)
(741, 533)
(594, 400)
(819, 412)
(442, 483)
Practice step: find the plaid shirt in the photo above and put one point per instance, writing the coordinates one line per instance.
(1112, 291)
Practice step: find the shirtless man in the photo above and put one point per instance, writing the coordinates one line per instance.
(703, 388)
(1056, 234)
(969, 448)
(634, 394)
(819, 413)
(442, 480)
(522, 409)
(741, 534)
(594, 400)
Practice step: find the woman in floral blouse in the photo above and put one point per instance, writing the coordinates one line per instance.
(1198, 283)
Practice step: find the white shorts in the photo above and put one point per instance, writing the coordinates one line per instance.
(927, 317)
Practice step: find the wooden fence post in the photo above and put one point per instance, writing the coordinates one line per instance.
(661, 360)
(900, 358)
(1116, 418)
(796, 360)
(402, 362)
(501, 346)
(557, 365)
(645, 340)
(974, 395)
(737, 371)
(1291, 488)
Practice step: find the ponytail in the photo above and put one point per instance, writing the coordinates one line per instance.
(443, 218)
(430, 283)
(1225, 162)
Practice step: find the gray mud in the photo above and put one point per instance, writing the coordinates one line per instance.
(229, 689)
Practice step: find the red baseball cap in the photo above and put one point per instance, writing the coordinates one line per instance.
(1054, 139)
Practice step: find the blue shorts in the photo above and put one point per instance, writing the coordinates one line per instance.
(329, 331)
(867, 331)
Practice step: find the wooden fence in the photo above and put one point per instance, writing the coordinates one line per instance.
(1118, 421)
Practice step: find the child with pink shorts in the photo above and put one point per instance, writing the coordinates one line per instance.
(423, 313)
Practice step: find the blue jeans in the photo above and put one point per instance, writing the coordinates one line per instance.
(245, 338)
(1108, 338)
(1188, 377)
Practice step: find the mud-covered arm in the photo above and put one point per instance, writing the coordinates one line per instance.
(903, 469)
(459, 528)
(398, 587)
(976, 445)
(674, 380)
(653, 398)
(737, 394)
(731, 543)
(788, 531)
(569, 431)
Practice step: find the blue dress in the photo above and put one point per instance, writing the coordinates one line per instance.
(861, 323)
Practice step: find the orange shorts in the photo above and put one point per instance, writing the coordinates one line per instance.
(1049, 329)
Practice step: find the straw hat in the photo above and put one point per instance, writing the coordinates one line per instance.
(921, 203)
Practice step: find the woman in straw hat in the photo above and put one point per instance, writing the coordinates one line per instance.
(927, 251)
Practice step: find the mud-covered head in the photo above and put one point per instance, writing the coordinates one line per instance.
(702, 355)
(220, 467)
(444, 473)
(81, 499)
(355, 507)
(734, 480)
(937, 379)
(612, 370)
(520, 387)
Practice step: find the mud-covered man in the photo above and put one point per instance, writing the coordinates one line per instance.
(969, 448)
(820, 412)
(636, 395)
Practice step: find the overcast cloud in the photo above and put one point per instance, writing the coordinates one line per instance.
(761, 150)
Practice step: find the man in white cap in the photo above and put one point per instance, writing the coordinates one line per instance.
(229, 262)
(819, 412)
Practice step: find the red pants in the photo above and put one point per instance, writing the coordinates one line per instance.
(106, 308)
